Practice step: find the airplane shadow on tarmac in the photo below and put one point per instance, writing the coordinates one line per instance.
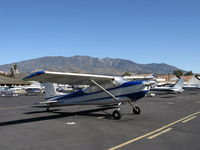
(58, 115)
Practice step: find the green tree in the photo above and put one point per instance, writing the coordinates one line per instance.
(127, 74)
(15, 68)
(178, 72)
(12, 73)
(190, 73)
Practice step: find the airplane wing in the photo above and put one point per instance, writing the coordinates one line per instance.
(68, 78)
(140, 77)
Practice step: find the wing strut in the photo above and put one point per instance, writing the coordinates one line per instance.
(110, 94)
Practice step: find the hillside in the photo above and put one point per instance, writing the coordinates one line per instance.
(87, 64)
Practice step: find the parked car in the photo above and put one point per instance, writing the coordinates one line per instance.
(33, 91)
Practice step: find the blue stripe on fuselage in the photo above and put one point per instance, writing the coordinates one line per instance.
(130, 83)
(80, 93)
(133, 96)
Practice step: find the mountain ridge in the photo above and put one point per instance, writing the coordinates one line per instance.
(88, 64)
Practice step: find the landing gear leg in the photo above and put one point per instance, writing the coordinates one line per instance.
(116, 114)
(47, 109)
(136, 109)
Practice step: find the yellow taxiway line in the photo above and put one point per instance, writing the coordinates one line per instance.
(162, 132)
(189, 119)
(155, 131)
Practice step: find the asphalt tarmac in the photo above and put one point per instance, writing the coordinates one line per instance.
(166, 122)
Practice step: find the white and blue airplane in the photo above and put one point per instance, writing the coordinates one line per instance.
(102, 90)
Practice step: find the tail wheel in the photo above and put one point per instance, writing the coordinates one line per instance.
(116, 115)
(48, 110)
(136, 110)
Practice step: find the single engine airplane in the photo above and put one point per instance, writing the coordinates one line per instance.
(102, 90)
(176, 88)
(194, 83)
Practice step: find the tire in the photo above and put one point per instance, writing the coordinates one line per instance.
(137, 110)
(116, 115)
(48, 110)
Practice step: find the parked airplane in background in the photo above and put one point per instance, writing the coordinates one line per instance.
(103, 90)
(193, 84)
(6, 92)
(176, 88)
(33, 91)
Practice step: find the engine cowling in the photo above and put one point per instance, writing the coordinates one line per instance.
(118, 81)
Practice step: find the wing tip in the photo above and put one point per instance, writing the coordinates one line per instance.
(34, 74)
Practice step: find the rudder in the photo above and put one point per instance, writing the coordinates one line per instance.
(179, 84)
(50, 90)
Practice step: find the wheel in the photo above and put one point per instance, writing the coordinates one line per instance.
(136, 110)
(116, 115)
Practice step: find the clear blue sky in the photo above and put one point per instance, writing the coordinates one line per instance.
(144, 31)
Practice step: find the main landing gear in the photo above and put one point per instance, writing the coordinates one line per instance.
(136, 109)
(117, 114)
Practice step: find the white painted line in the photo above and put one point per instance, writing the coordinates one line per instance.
(100, 117)
(189, 119)
(71, 123)
(162, 132)
(19, 107)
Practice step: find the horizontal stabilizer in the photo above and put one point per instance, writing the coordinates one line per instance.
(48, 102)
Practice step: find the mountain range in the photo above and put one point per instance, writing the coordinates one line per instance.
(87, 64)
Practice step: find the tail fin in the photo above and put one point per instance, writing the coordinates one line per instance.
(50, 90)
(179, 84)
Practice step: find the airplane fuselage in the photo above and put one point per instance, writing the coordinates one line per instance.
(165, 90)
(127, 91)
